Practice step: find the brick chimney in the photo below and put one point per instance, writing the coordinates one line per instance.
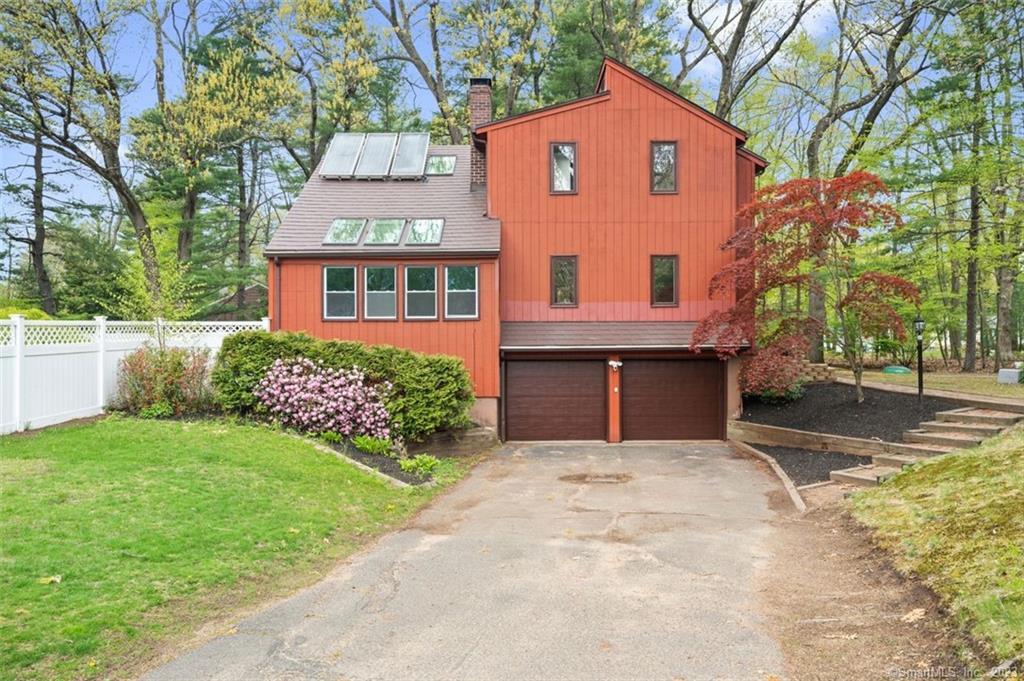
(479, 113)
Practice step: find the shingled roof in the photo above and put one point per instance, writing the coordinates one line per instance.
(467, 229)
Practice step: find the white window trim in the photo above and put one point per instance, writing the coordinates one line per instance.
(406, 292)
(366, 291)
(354, 292)
(476, 290)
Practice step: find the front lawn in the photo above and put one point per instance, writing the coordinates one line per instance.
(976, 384)
(958, 522)
(122, 534)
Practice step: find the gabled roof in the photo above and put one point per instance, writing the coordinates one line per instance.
(467, 230)
(601, 94)
(668, 93)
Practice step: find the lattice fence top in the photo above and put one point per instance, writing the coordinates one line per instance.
(59, 333)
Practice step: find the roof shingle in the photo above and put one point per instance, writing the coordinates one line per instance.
(467, 229)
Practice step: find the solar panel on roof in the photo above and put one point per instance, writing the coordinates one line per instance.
(340, 159)
(378, 150)
(411, 154)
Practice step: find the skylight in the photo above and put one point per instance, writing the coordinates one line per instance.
(345, 231)
(385, 231)
(425, 231)
(441, 164)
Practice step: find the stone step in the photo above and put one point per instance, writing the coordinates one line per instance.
(864, 476)
(956, 439)
(977, 415)
(896, 460)
(920, 448)
(982, 429)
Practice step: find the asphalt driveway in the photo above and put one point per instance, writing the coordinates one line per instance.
(548, 562)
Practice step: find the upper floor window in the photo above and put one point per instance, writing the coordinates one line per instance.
(425, 231)
(441, 165)
(563, 280)
(380, 293)
(421, 292)
(345, 231)
(664, 280)
(663, 167)
(385, 231)
(461, 292)
(563, 168)
(339, 293)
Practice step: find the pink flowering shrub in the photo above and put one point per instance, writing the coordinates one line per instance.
(310, 397)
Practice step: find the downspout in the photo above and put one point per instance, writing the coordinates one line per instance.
(276, 322)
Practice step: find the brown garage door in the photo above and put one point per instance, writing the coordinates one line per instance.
(555, 400)
(672, 399)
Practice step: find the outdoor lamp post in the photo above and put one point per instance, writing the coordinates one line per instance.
(919, 330)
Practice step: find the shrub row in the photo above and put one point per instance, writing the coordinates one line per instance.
(428, 392)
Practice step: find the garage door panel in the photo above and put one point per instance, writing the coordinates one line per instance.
(672, 399)
(555, 400)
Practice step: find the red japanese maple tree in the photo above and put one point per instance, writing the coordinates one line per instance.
(801, 232)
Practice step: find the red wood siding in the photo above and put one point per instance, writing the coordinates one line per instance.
(475, 341)
(613, 224)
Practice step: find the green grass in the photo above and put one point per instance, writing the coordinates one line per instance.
(958, 522)
(975, 384)
(155, 527)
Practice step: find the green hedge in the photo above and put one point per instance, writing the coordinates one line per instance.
(430, 392)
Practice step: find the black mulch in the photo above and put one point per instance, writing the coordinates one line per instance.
(384, 464)
(832, 408)
(805, 467)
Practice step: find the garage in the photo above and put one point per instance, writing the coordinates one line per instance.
(673, 399)
(555, 400)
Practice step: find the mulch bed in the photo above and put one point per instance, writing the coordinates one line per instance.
(385, 464)
(805, 467)
(832, 408)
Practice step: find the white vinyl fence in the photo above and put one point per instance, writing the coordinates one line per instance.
(55, 371)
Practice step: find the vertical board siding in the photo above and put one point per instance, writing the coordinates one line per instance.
(614, 223)
(474, 341)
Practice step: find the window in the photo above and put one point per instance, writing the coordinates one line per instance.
(663, 167)
(563, 168)
(339, 293)
(664, 280)
(380, 293)
(421, 292)
(425, 232)
(345, 231)
(385, 231)
(460, 292)
(563, 280)
(440, 165)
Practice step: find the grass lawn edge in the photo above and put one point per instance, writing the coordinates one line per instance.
(180, 622)
(948, 522)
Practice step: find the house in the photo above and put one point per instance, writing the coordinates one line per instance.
(564, 255)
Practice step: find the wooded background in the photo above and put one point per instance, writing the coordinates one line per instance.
(150, 147)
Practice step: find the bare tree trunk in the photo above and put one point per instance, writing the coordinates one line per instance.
(38, 242)
(186, 233)
(974, 230)
(1005, 277)
(244, 215)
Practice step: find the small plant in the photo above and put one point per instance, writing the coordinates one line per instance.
(312, 398)
(373, 445)
(158, 383)
(157, 410)
(330, 437)
(421, 465)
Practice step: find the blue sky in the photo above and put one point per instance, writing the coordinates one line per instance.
(134, 52)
